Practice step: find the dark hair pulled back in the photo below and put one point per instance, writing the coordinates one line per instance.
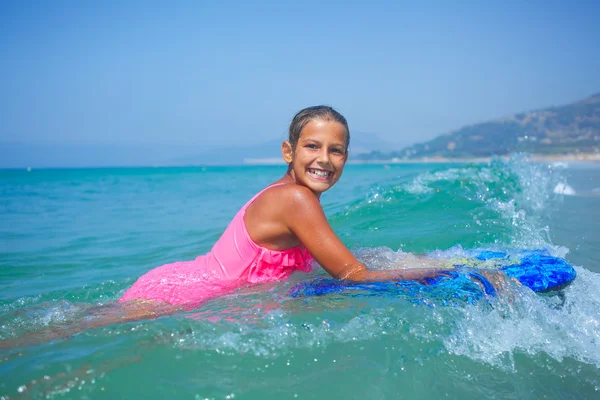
(315, 113)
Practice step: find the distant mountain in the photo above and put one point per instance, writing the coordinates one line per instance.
(76, 155)
(573, 128)
(60, 155)
(270, 152)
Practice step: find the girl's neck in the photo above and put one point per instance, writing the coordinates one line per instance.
(289, 177)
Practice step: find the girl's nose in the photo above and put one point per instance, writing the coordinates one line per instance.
(324, 156)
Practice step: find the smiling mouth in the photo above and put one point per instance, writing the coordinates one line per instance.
(319, 174)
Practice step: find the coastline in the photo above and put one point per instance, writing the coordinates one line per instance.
(581, 157)
(574, 158)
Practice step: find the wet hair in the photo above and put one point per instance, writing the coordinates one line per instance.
(315, 113)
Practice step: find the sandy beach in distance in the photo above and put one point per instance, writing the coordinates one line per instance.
(581, 157)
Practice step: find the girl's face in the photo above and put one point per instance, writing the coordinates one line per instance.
(320, 155)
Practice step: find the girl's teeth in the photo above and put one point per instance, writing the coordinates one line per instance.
(322, 174)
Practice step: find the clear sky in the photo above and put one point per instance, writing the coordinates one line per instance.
(215, 73)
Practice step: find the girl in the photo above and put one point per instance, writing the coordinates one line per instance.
(280, 230)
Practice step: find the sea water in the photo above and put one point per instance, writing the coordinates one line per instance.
(71, 239)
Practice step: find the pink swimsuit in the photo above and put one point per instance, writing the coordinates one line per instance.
(234, 260)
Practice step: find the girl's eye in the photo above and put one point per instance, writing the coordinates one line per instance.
(337, 151)
(311, 146)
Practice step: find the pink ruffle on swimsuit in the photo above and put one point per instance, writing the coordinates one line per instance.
(234, 261)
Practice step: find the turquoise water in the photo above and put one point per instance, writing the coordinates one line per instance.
(72, 239)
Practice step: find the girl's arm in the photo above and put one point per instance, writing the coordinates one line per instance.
(306, 220)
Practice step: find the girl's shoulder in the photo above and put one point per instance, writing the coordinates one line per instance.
(283, 195)
(290, 191)
(271, 218)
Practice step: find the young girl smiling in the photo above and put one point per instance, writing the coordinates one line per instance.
(280, 230)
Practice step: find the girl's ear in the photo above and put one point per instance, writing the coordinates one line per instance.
(287, 152)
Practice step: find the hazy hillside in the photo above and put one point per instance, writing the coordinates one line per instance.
(58, 155)
(573, 128)
(568, 129)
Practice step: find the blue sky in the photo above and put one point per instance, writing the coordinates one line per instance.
(203, 75)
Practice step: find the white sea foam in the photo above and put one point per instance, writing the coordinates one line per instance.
(532, 324)
(493, 331)
(563, 188)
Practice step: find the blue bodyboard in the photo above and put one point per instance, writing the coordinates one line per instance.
(535, 269)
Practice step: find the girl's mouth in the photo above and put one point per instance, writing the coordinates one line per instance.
(319, 174)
